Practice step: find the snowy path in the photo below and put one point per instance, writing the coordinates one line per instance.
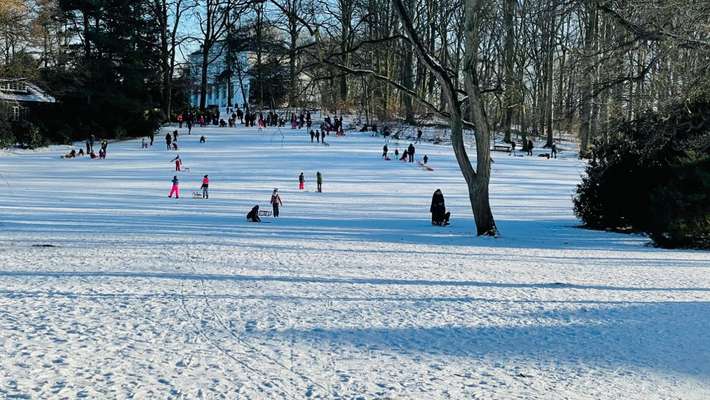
(352, 293)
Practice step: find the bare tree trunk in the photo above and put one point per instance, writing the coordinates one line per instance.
(585, 111)
(476, 180)
(479, 180)
(509, 64)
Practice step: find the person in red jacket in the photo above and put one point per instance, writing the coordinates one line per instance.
(178, 163)
(301, 182)
(205, 186)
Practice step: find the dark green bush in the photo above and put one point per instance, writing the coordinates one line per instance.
(652, 175)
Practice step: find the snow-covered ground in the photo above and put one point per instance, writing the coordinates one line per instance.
(350, 294)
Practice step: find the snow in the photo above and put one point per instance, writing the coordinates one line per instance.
(350, 294)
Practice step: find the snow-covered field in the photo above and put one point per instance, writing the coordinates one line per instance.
(350, 294)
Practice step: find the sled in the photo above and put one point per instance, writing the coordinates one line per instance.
(264, 213)
(196, 195)
(426, 167)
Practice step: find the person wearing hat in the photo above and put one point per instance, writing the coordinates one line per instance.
(276, 202)
(205, 187)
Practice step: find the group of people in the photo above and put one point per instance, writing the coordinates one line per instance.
(528, 149)
(276, 202)
(171, 140)
(90, 149)
(318, 135)
(407, 154)
(175, 188)
(319, 182)
(336, 124)
(301, 120)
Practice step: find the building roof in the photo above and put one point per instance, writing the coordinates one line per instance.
(21, 90)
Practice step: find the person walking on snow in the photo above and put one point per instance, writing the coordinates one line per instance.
(312, 135)
(276, 202)
(178, 163)
(168, 140)
(322, 137)
(419, 136)
(175, 190)
(319, 182)
(301, 182)
(205, 186)
(384, 152)
(554, 150)
(410, 152)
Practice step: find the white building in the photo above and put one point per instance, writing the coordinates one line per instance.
(218, 85)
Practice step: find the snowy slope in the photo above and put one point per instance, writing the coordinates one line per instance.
(351, 294)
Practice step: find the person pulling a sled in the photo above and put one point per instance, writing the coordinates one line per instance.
(178, 163)
(276, 202)
(439, 216)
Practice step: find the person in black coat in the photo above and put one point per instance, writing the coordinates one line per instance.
(439, 216)
(410, 152)
(253, 215)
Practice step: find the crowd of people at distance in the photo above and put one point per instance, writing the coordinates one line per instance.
(90, 151)
(269, 119)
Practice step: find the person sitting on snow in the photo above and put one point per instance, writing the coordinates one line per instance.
(439, 216)
(253, 215)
